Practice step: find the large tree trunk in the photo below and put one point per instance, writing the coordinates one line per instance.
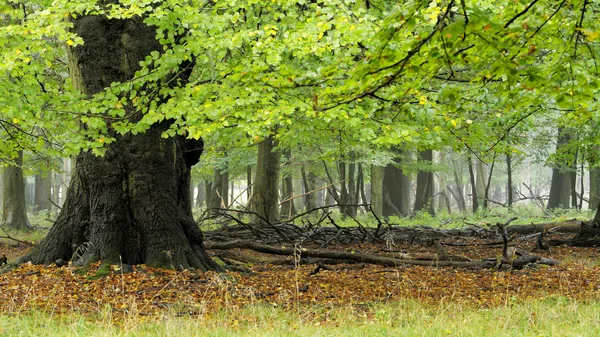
(131, 206)
(14, 209)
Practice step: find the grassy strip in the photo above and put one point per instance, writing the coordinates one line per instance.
(549, 317)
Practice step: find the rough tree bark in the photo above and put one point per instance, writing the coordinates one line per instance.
(131, 206)
(14, 208)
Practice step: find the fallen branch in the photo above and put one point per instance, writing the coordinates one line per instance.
(353, 256)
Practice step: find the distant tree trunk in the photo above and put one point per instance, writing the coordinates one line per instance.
(594, 188)
(424, 196)
(249, 181)
(480, 183)
(360, 187)
(509, 183)
(43, 192)
(57, 183)
(486, 194)
(309, 181)
(225, 187)
(396, 188)
(443, 200)
(377, 189)
(333, 196)
(287, 192)
(14, 209)
(573, 180)
(219, 193)
(458, 181)
(347, 193)
(200, 194)
(582, 184)
(265, 196)
(209, 194)
(560, 186)
(473, 183)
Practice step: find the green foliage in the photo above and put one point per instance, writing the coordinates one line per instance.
(333, 80)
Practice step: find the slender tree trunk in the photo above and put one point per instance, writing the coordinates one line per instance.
(333, 196)
(486, 197)
(287, 193)
(582, 185)
(509, 183)
(209, 194)
(265, 197)
(377, 189)
(249, 181)
(131, 206)
(224, 192)
(200, 194)
(573, 180)
(361, 195)
(458, 181)
(218, 185)
(473, 184)
(309, 181)
(424, 197)
(480, 183)
(442, 198)
(594, 188)
(14, 208)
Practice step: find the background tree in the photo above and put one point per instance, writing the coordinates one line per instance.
(14, 209)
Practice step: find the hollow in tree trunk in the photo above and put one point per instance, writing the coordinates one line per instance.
(132, 205)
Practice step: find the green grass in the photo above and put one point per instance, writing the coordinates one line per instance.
(550, 317)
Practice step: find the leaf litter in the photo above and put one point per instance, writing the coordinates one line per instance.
(150, 291)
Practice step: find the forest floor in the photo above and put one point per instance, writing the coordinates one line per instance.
(147, 291)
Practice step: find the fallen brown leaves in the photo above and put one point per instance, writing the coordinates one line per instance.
(148, 291)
